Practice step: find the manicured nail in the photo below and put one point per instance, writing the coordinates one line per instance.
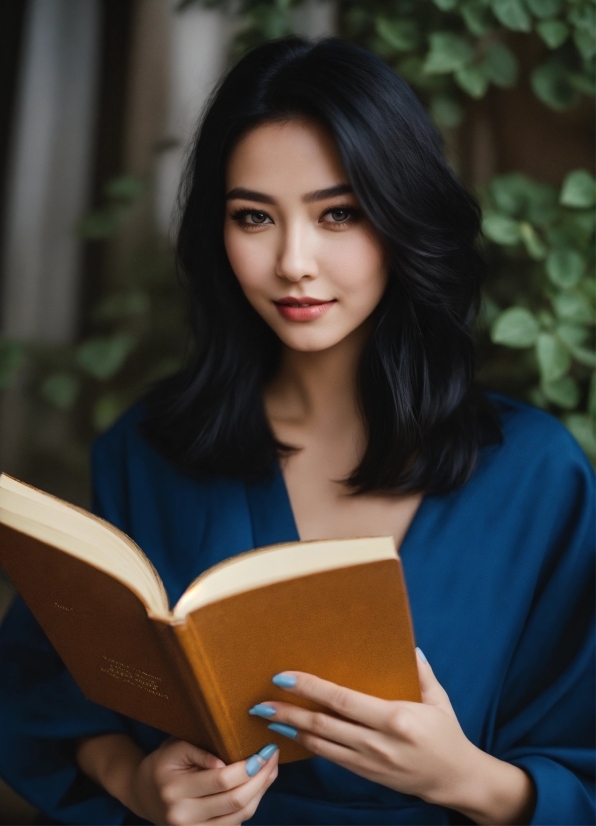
(281, 728)
(253, 764)
(284, 680)
(421, 655)
(262, 710)
(268, 751)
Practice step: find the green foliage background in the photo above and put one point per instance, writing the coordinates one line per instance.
(536, 335)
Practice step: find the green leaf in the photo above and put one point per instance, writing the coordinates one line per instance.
(546, 320)
(585, 221)
(501, 66)
(446, 111)
(584, 83)
(551, 84)
(477, 17)
(103, 357)
(126, 188)
(490, 311)
(106, 410)
(585, 42)
(544, 8)
(512, 14)
(572, 334)
(518, 196)
(164, 367)
(509, 192)
(574, 308)
(500, 229)
(579, 189)
(592, 396)
(554, 360)
(12, 356)
(585, 356)
(537, 397)
(532, 241)
(516, 327)
(61, 390)
(583, 16)
(564, 392)
(573, 337)
(472, 80)
(448, 53)
(553, 32)
(565, 268)
(582, 427)
(401, 35)
(445, 5)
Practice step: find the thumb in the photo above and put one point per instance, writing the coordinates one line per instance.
(433, 693)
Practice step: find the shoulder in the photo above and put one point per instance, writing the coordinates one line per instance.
(122, 437)
(123, 465)
(535, 447)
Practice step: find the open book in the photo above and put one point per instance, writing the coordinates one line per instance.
(335, 608)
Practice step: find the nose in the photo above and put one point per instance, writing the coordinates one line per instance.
(296, 258)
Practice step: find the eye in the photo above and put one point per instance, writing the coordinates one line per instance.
(340, 215)
(251, 217)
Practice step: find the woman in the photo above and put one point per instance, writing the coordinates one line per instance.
(333, 280)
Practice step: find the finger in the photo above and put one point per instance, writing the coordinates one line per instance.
(361, 708)
(336, 752)
(318, 723)
(433, 693)
(215, 781)
(237, 799)
(245, 814)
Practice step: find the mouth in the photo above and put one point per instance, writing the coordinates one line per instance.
(304, 308)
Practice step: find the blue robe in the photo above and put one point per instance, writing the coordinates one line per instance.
(500, 575)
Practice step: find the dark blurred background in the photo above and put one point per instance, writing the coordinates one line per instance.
(98, 99)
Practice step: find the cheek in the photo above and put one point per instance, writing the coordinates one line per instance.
(359, 270)
(251, 262)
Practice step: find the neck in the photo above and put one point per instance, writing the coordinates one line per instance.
(318, 388)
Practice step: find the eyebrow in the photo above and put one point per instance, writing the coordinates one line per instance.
(309, 198)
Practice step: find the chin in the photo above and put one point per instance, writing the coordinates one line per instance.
(308, 341)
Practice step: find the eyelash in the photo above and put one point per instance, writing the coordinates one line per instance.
(354, 215)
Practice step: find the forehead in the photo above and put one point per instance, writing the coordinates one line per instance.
(297, 155)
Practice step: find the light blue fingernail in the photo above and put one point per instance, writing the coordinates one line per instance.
(262, 710)
(281, 728)
(421, 655)
(253, 764)
(268, 751)
(284, 680)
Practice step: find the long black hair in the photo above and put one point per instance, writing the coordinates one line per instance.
(424, 416)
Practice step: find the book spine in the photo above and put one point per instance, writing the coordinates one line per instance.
(221, 725)
(171, 639)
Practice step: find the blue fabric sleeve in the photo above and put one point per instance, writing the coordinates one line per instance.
(546, 719)
(43, 711)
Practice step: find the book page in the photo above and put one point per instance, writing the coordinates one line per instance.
(83, 535)
(277, 563)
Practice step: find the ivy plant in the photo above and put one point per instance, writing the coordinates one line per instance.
(536, 334)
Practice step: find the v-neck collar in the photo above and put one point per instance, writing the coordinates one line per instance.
(273, 520)
(270, 510)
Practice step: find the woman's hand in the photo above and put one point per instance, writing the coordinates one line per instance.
(178, 784)
(415, 748)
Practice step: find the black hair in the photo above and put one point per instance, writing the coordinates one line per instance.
(425, 417)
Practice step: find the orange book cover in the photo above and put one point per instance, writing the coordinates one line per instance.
(335, 608)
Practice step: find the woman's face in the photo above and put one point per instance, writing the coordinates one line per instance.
(305, 256)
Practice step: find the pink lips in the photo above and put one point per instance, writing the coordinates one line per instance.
(303, 308)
